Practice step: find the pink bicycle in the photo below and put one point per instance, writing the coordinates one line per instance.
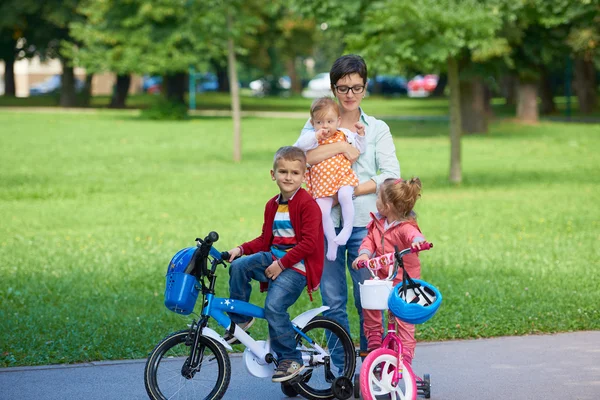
(383, 374)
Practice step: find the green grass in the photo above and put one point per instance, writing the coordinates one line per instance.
(93, 206)
(380, 106)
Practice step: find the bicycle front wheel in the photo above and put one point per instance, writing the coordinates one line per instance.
(376, 376)
(168, 374)
(323, 335)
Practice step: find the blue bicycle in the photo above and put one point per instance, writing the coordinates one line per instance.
(193, 363)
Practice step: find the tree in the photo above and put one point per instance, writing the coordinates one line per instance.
(16, 17)
(433, 35)
(543, 35)
(584, 41)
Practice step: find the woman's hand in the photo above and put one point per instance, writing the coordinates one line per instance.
(359, 258)
(351, 153)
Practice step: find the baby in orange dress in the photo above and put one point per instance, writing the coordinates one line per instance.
(333, 175)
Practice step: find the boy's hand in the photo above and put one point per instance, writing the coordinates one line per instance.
(360, 128)
(357, 259)
(234, 253)
(273, 270)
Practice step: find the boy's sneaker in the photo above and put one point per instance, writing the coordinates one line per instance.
(245, 326)
(286, 370)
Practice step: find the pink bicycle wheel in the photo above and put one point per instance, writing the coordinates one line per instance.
(376, 376)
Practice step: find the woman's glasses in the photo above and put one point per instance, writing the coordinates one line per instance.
(344, 89)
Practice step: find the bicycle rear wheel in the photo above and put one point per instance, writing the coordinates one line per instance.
(167, 374)
(376, 376)
(340, 360)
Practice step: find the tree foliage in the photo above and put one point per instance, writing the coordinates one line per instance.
(156, 36)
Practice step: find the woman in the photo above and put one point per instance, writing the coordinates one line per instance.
(348, 76)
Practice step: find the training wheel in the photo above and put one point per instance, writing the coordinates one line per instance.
(424, 386)
(342, 388)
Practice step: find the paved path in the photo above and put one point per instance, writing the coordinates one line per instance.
(561, 366)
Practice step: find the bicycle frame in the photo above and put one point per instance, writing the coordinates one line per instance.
(216, 308)
(393, 342)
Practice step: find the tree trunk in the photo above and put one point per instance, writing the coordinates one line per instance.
(585, 85)
(547, 105)
(120, 92)
(235, 93)
(68, 97)
(290, 66)
(472, 106)
(441, 86)
(488, 95)
(10, 89)
(455, 121)
(508, 88)
(86, 94)
(527, 110)
(175, 86)
(222, 77)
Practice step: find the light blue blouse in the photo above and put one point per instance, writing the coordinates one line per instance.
(378, 163)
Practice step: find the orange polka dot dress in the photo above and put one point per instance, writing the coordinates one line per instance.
(327, 177)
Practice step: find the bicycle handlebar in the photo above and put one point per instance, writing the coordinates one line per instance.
(422, 246)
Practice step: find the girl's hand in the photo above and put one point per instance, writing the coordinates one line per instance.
(273, 270)
(360, 128)
(234, 253)
(357, 259)
(416, 244)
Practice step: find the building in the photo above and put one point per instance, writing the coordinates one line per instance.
(29, 72)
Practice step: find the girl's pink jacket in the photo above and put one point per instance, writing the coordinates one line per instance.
(380, 241)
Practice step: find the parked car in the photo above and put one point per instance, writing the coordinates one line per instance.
(388, 85)
(262, 86)
(422, 86)
(52, 85)
(207, 82)
(318, 86)
(152, 84)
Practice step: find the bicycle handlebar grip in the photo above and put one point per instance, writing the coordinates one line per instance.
(423, 246)
(211, 238)
(362, 264)
(225, 256)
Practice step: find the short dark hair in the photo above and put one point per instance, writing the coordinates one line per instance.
(346, 65)
(289, 153)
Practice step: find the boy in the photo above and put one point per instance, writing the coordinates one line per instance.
(287, 256)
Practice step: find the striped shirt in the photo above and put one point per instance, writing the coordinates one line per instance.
(284, 237)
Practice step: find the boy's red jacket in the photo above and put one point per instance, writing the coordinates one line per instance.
(305, 216)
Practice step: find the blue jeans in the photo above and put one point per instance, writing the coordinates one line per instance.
(282, 293)
(334, 288)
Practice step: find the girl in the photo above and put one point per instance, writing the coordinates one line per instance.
(333, 175)
(394, 225)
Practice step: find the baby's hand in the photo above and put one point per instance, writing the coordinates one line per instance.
(322, 134)
(360, 128)
(357, 259)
